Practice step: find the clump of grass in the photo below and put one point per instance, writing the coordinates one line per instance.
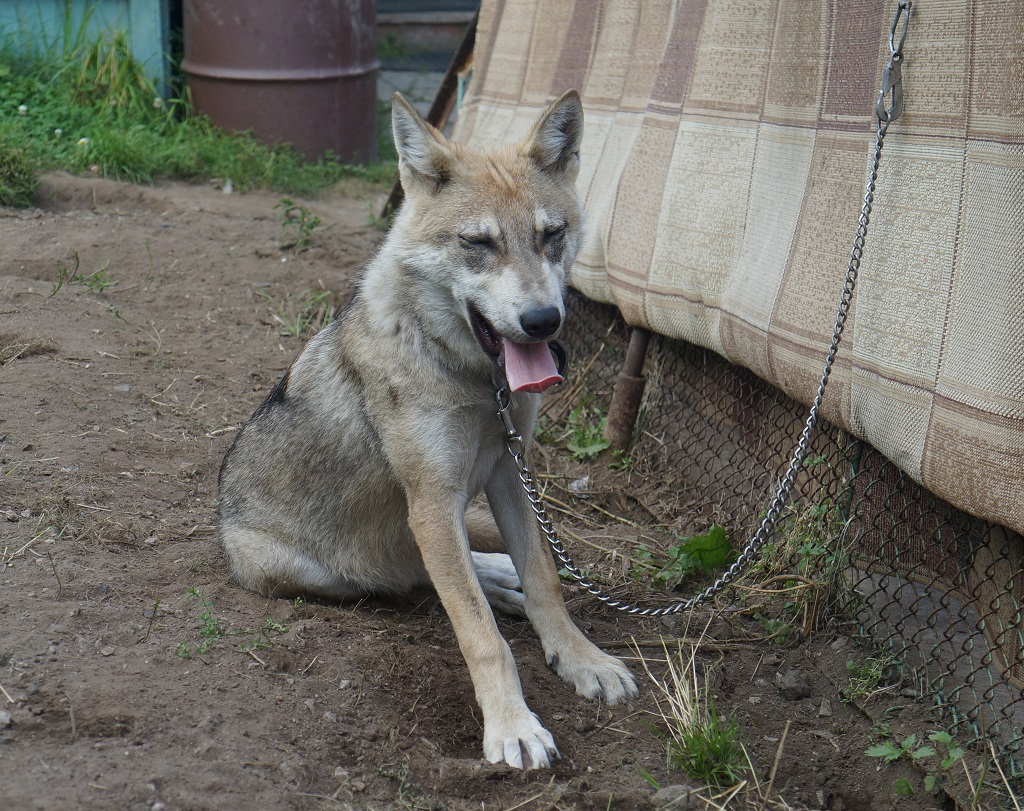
(702, 743)
(19, 170)
(872, 676)
(85, 104)
(303, 314)
(297, 224)
(802, 573)
(210, 628)
(95, 282)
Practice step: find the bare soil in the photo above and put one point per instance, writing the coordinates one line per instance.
(135, 675)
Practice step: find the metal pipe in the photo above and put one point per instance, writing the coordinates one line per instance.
(628, 391)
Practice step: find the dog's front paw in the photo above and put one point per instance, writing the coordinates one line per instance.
(521, 742)
(595, 674)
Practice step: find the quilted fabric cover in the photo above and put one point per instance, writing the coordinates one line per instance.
(725, 156)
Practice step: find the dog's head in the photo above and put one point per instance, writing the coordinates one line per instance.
(497, 229)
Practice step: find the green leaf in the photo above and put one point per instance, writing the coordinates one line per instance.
(940, 736)
(886, 750)
(923, 752)
(903, 787)
(931, 782)
(646, 775)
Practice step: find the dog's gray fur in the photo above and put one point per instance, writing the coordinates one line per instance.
(356, 475)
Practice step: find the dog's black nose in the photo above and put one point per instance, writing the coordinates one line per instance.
(541, 323)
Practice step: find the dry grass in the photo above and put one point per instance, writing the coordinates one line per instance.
(696, 735)
(13, 347)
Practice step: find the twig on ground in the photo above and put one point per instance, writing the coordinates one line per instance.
(775, 765)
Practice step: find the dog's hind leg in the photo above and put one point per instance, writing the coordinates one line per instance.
(500, 582)
(484, 535)
(260, 563)
(494, 568)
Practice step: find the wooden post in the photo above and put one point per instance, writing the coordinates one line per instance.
(628, 392)
(441, 107)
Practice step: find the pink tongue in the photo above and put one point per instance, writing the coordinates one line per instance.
(529, 367)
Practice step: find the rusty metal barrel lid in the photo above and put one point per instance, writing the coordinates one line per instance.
(302, 72)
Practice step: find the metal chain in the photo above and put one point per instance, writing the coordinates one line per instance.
(886, 112)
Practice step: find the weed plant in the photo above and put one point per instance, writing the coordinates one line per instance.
(297, 224)
(702, 743)
(84, 104)
(95, 282)
(19, 169)
(303, 314)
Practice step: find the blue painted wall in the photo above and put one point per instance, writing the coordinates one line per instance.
(38, 25)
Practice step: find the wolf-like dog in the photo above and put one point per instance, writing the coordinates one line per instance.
(357, 474)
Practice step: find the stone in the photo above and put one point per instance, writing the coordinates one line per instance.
(676, 798)
(794, 685)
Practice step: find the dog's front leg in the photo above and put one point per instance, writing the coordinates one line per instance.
(512, 733)
(570, 654)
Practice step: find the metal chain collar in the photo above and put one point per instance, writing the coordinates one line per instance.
(888, 109)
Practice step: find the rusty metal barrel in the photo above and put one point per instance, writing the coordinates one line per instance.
(302, 72)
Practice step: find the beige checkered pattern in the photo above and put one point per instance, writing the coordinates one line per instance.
(726, 151)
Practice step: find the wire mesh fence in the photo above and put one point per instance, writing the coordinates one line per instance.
(938, 588)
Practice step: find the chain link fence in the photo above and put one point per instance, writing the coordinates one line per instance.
(939, 589)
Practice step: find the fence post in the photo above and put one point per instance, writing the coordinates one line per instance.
(628, 391)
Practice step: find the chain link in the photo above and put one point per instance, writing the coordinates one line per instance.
(886, 114)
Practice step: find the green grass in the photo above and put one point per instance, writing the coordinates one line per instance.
(86, 105)
(210, 629)
(95, 282)
(19, 169)
(297, 224)
(702, 743)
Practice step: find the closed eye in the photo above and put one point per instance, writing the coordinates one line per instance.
(474, 241)
(554, 232)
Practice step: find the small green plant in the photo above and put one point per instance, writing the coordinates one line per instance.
(889, 751)
(867, 677)
(585, 431)
(710, 750)
(263, 637)
(303, 314)
(948, 752)
(702, 743)
(210, 628)
(96, 282)
(696, 553)
(621, 460)
(297, 224)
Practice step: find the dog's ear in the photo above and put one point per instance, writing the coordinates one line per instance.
(424, 157)
(554, 142)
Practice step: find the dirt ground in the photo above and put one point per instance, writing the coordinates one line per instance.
(135, 675)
